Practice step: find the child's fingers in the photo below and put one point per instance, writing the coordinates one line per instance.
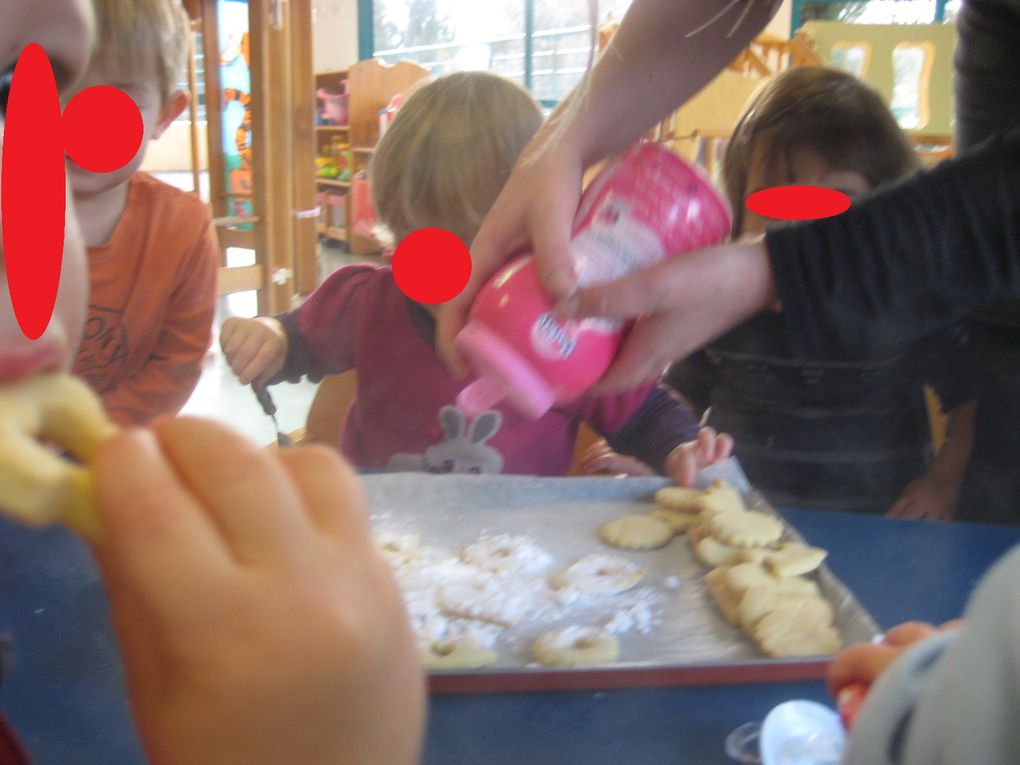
(154, 529)
(246, 360)
(330, 491)
(244, 489)
(908, 632)
(860, 663)
(685, 463)
(723, 446)
(262, 363)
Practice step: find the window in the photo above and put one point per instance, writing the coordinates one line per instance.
(199, 82)
(873, 11)
(543, 44)
(911, 72)
(851, 57)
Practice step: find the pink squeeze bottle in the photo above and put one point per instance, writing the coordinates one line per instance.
(645, 206)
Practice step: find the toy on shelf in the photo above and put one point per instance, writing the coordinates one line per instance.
(334, 106)
(389, 112)
(336, 165)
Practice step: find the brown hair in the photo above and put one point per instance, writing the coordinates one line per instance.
(822, 110)
(143, 33)
(448, 153)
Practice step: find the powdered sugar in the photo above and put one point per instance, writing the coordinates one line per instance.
(498, 591)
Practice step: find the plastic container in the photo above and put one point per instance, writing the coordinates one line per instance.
(645, 206)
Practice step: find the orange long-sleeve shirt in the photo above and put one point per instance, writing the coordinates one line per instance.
(151, 303)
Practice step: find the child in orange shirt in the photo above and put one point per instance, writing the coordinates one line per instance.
(257, 622)
(153, 255)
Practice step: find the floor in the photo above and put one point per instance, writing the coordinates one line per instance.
(218, 395)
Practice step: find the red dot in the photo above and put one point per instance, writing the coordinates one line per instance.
(102, 129)
(798, 202)
(431, 265)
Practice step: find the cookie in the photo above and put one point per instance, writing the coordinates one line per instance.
(743, 576)
(678, 498)
(761, 600)
(678, 521)
(698, 530)
(636, 532)
(397, 548)
(745, 529)
(724, 597)
(576, 646)
(486, 599)
(598, 573)
(713, 553)
(719, 497)
(794, 559)
(456, 654)
(506, 554)
(796, 585)
(781, 635)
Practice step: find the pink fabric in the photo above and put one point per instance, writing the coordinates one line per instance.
(403, 416)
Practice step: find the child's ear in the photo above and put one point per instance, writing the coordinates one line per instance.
(171, 110)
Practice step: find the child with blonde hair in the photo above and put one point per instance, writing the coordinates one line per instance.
(153, 253)
(441, 164)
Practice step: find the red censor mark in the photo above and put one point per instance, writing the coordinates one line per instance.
(101, 129)
(431, 265)
(798, 202)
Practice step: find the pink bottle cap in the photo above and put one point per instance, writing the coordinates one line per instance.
(502, 373)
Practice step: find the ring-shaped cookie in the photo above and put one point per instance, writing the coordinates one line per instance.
(37, 485)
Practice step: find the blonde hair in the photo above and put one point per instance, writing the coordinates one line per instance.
(448, 153)
(154, 34)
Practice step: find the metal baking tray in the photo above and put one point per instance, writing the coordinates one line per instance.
(689, 643)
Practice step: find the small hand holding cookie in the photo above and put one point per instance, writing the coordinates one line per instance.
(255, 348)
(258, 624)
(688, 458)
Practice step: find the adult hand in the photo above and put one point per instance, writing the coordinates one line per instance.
(664, 52)
(257, 623)
(679, 306)
(536, 208)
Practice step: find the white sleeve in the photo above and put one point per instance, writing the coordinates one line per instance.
(953, 699)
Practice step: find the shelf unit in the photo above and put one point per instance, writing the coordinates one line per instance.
(369, 85)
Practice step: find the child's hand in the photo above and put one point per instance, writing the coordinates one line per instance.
(863, 663)
(926, 497)
(257, 622)
(687, 459)
(255, 348)
(600, 459)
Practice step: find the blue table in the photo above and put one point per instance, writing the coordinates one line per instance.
(64, 693)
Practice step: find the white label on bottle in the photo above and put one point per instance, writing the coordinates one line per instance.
(615, 244)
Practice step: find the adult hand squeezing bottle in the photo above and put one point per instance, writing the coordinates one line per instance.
(645, 206)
